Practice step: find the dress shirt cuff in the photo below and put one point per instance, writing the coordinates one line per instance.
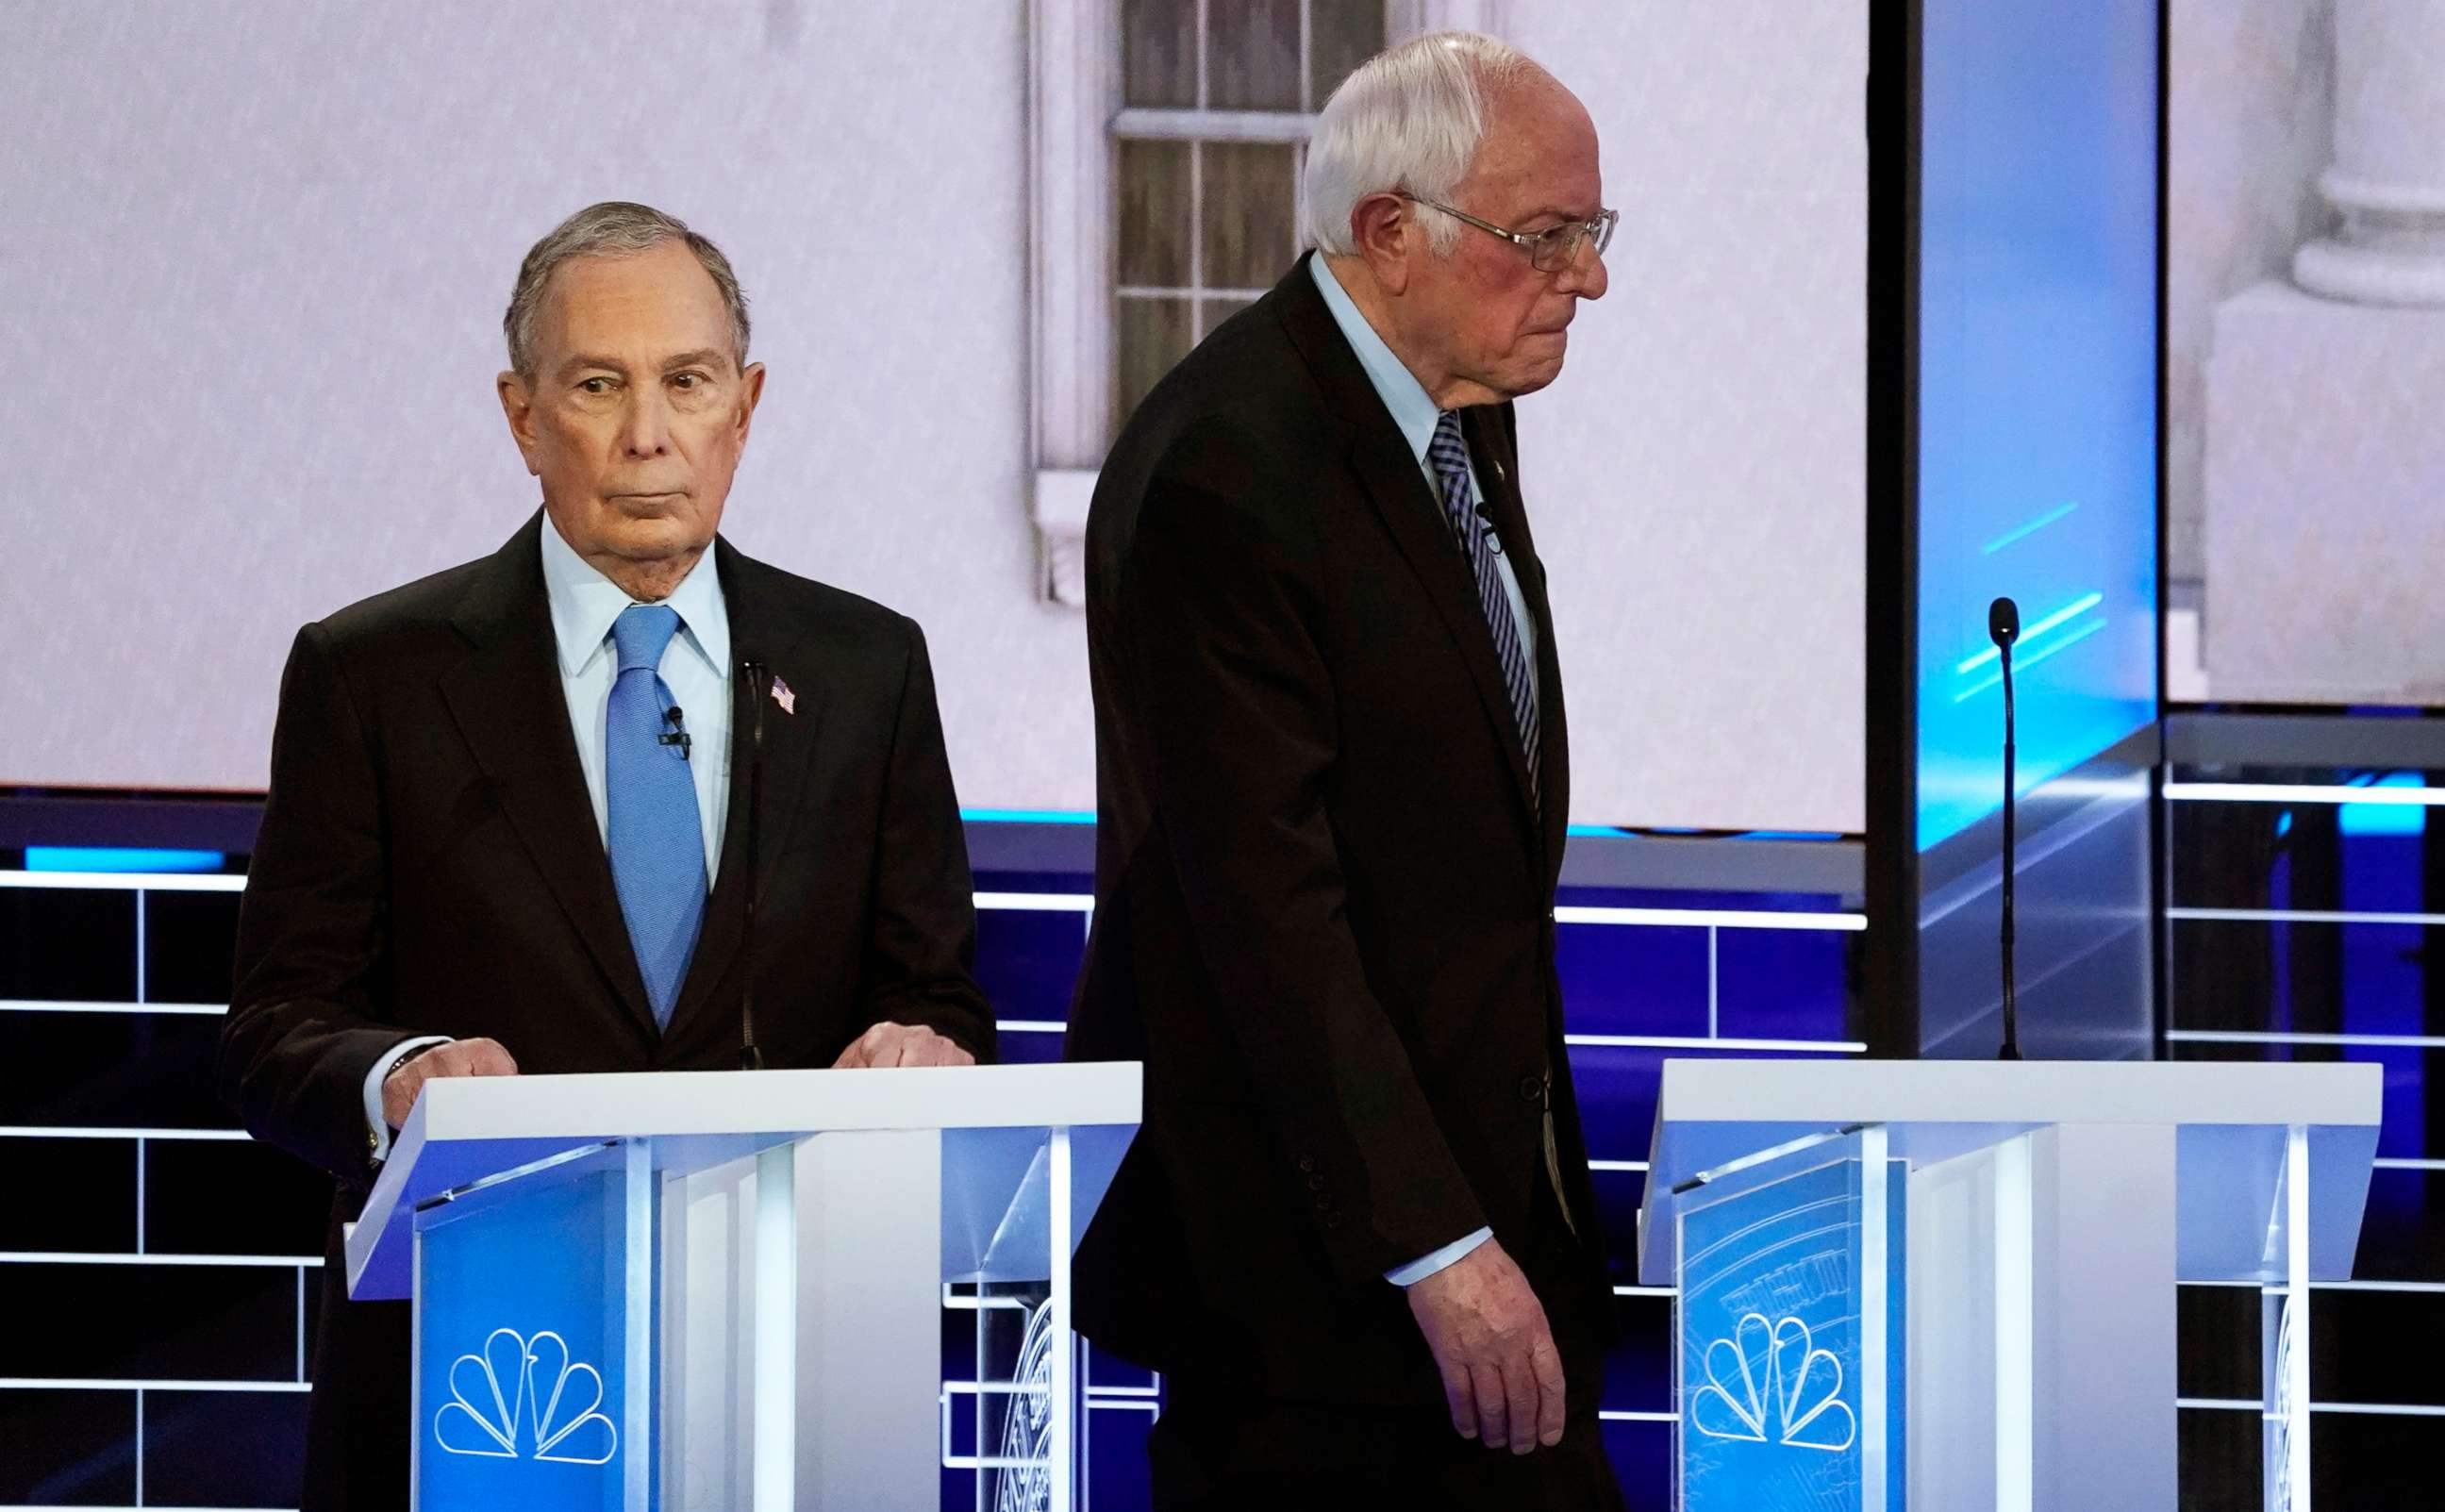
(1444, 1258)
(377, 1132)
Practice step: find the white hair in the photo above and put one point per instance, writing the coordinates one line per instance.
(1408, 121)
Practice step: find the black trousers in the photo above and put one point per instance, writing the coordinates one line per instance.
(1219, 1451)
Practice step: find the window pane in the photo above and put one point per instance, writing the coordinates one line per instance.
(1159, 52)
(1153, 336)
(1251, 203)
(1341, 34)
(1154, 229)
(1252, 55)
(1213, 312)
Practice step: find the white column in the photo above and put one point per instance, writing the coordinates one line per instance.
(2387, 180)
(776, 1330)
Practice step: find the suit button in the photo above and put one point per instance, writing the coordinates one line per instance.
(1315, 1184)
(1307, 1162)
(1532, 1088)
(1332, 1221)
(1324, 1205)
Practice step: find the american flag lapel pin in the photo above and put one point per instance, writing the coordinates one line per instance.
(782, 696)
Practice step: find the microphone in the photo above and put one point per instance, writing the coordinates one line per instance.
(677, 735)
(754, 679)
(2004, 628)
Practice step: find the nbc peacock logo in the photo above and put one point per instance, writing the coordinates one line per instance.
(1770, 1383)
(525, 1399)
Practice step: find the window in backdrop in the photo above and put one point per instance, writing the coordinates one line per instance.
(1169, 135)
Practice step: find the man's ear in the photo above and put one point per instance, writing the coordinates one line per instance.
(751, 393)
(1385, 226)
(517, 407)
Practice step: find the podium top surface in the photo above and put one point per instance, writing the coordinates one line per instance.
(2231, 1118)
(465, 1129)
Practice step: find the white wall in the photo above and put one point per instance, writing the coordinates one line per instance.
(259, 251)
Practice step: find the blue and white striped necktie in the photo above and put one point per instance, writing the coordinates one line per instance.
(1450, 455)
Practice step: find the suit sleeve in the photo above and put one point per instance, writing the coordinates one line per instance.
(301, 1037)
(1215, 607)
(921, 938)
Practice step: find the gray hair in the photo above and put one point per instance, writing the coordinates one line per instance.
(615, 228)
(1408, 121)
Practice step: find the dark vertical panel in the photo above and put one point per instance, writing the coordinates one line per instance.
(68, 1194)
(1251, 205)
(1159, 52)
(189, 939)
(224, 1448)
(68, 1448)
(1154, 220)
(1252, 55)
(66, 943)
(1152, 337)
(1341, 35)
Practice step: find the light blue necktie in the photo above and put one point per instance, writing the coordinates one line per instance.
(657, 840)
(1450, 454)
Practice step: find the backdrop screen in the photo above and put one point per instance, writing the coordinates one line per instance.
(2037, 423)
(259, 251)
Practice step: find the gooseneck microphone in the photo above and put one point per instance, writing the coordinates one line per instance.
(755, 681)
(2004, 628)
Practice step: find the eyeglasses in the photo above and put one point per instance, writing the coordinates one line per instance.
(1549, 251)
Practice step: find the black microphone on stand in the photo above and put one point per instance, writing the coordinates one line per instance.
(750, 1057)
(2004, 628)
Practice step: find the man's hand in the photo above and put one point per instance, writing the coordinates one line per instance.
(1503, 1377)
(460, 1058)
(889, 1044)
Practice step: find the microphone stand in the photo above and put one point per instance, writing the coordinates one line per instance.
(2011, 1050)
(750, 1056)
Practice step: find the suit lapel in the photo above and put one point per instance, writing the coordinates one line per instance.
(1492, 441)
(759, 632)
(1397, 486)
(509, 707)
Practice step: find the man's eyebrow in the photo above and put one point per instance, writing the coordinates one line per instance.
(581, 361)
(701, 357)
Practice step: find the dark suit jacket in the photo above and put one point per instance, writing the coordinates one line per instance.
(1324, 914)
(430, 863)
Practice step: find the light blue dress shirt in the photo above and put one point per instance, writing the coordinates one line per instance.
(695, 668)
(1415, 414)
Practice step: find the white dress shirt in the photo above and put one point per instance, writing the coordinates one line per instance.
(695, 668)
(1414, 412)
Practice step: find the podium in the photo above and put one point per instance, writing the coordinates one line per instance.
(734, 1289)
(1950, 1285)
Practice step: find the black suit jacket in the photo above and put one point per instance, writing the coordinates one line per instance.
(430, 863)
(1324, 892)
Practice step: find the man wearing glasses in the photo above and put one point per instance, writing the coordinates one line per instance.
(1356, 1233)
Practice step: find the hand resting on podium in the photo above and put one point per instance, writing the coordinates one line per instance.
(890, 1044)
(455, 1057)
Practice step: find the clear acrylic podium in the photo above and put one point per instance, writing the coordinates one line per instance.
(1950, 1285)
(729, 1290)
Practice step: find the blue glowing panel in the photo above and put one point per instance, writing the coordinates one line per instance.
(1772, 1377)
(2037, 404)
(520, 1352)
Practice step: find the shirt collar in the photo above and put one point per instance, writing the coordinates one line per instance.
(1400, 391)
(584, 603)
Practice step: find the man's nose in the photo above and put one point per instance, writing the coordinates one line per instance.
(1586, 276)
(645, 429)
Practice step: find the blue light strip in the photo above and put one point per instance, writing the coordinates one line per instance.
(1026, 816)
(2023, 533)
(2061, 616)
(2064, 644)
(120, 858)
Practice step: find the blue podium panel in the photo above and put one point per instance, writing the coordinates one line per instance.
(523, 1360)
(1782, 1409)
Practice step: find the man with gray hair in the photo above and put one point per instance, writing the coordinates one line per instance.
(1356, 1232)
(504, 832)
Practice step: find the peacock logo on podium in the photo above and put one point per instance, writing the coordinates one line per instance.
(560, 1424)
(1802, 1388)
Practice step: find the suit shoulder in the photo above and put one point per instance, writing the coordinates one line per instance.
(404, 612)
(833, 612)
